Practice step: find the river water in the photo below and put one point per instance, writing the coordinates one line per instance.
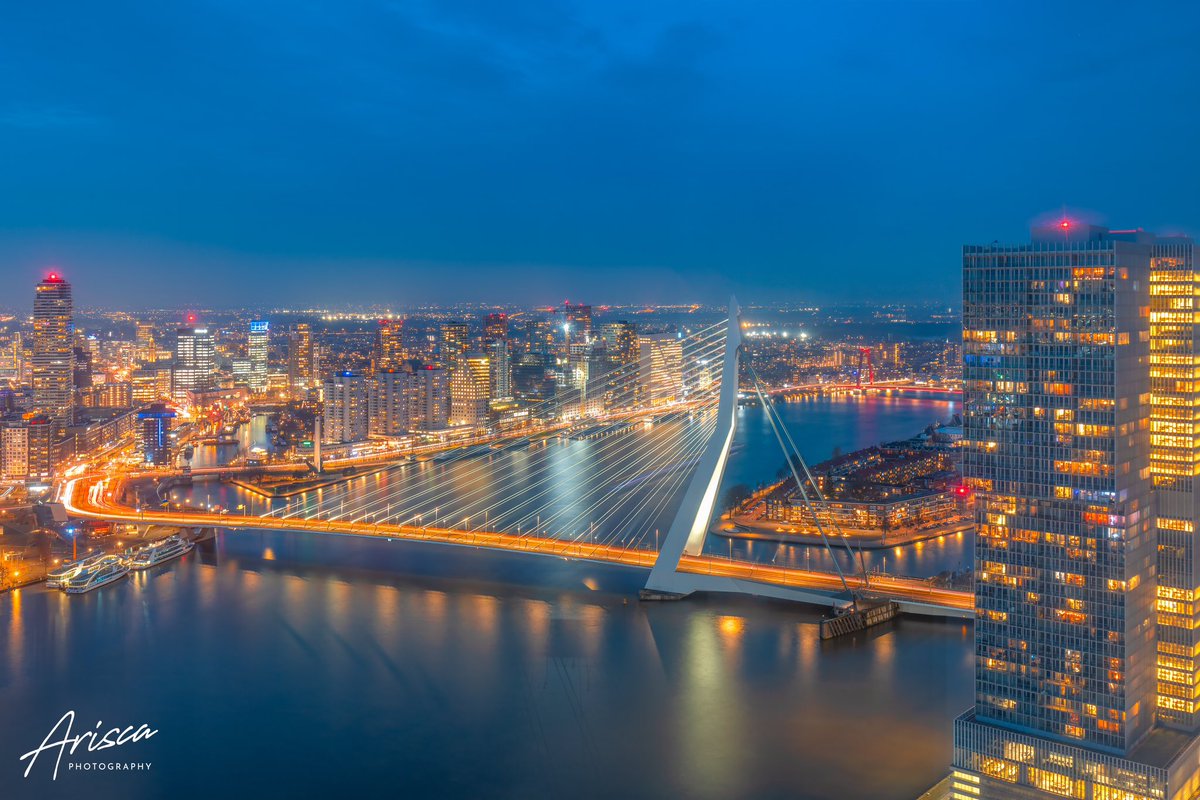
(298, 665)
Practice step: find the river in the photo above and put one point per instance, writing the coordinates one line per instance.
(300, 665)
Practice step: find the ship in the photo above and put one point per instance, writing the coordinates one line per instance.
(160, 552)
(108, 569)
(57, 578)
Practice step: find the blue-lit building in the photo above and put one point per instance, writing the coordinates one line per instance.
(155, 423)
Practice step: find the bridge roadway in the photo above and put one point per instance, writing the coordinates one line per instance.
(88, 496)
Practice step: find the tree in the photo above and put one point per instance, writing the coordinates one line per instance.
(736, 495)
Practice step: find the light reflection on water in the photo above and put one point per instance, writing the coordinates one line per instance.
(558, 475)
(349, 663)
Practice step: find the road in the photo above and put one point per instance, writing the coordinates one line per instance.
(90, 496)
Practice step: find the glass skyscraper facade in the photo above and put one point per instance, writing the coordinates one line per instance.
(1057, 444)
(1174, 463)
(53, 362)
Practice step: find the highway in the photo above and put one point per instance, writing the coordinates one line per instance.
(90, 496)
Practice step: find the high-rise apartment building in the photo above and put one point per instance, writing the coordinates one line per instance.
(470, 390)
(53, 359)
(660, 368)
(301, 359)
(258, 346)
(14, 448)
(415, 398)
(454, 339)
(388, 350)
(195, 362)
(1057, 444)
(346, 417)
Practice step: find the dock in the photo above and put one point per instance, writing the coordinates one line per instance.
(867, 615)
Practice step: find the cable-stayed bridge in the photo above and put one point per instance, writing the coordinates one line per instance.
(623, 467)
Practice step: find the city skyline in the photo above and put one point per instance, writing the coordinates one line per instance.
(600, 398)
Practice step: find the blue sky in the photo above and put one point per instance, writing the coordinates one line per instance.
(212, 153)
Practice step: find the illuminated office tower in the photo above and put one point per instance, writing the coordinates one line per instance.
(454, 338)
(301, 359)
(347, 408)
(575, 322)
(539, 335)
(495, 341)
(495, 326)
(147, 348)
(53, 360)
(620, 342)
(195, 362)
(388, 349)
(1174, 464)
(531, 379)
(660, 368)
(1057, 446)
(258, 345)
(470, 390)
(621, 355)
(155, 424)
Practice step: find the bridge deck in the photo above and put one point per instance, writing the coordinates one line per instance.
(86, 497)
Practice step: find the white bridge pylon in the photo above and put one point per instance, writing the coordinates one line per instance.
(689, 529)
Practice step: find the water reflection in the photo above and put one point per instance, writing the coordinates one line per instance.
(470, 676)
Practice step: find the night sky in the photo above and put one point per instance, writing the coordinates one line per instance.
(237, 152)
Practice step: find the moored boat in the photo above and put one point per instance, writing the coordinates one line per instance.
(105, 571)
(57, 578)
(160, 552)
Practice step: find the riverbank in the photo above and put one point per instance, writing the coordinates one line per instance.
(865, 539)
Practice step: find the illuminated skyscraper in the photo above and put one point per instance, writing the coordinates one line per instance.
(388, 350)
(495, 341)
(495, 326)
(147, 348)
(53, 361)
(155, 423)
(1175, 464)
(660, 368)
(346, 417)
(575, 323)
(258, 346)
(195, 362)
(1057, 403)
(455, 336)
(301, 364)
(470, 390)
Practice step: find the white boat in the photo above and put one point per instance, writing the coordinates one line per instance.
(105, 571)
(57, 578)
(160, 552)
